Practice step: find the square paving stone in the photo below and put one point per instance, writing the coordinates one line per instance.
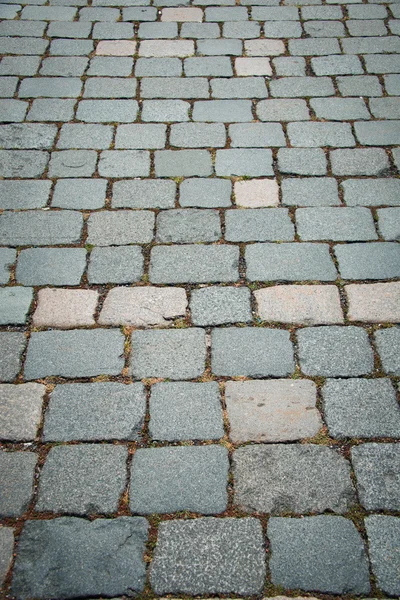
(258, 224)
(21, 410)
(95, 411)
(6, 550)
(272, 411)
(218, 305)
(185, 411)
(79, 193)
(335, 351)
(51, 553)
(322, 553)
(292, 478)
(289, 262)
(251, 351)
(167, 480)
(209, 556)
(75, 353)
(65, 308)
(14, 305)
(361, 408)
(188, 225)
(377, 469)
(108, 228)
(383, 537)
(369, 261)
(374, 302)
(388, 345)
(17, 471)
(12, 344)
(143, 306)
(173, 354)
(51, 266)
(306, 304)
(205, 193)
(115, 264)
(82, 479)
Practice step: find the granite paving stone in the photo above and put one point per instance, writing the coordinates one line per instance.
(75, 353)
(17, 470)
(174, 87)
(23, 163)
(215, 48)
(248, 162)
(107, 111)
(141, 136)
(144, 193)
(360, 161)
(95, 411)
(382, 532)
(21, 409)
(337, 224)
(323, 553)
(251, 352)
(7, 259)
(109, 87)
(209, 555)
(225, 111)
(185, 411)
(371, 192)
(6, 550)
(389, 223)
(12, 345)
(112, 66)
(204, 193)
(256, 193)
(256, 135)
(51, 266)
(35, 136)
(272, 411)
(303, 161)
(188, 225)
(68, 545)
(315, 134)
(143, 306)
(282, 110)
(377, 469)
(219, 304)
(361, 408)
(183, 163)
(124, 163)
(374, 302)
(106, 228)
(198, 135)
(388, 344)
(258, 224)
(294, 478)
(14, 305)
(290, 87)
(378, 133)
(369, 261)
(172, 354)
(357, 85)
(79, 193)
(115, 264)
(248, 66)
(65, 308)
(167, 480)
(40, 228)
(82, 479)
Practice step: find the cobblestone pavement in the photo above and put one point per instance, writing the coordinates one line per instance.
(200, 269)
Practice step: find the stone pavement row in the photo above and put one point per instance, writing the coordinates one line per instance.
(199, 302)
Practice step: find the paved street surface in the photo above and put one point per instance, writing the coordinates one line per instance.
(200, 299)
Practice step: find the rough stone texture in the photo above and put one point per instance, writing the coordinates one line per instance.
(12, 344)
(256, 193)
(292, 478)
(252, 352)
(14, 305)
(370, 192)
(361, 408)
(51, 553)
(21, 410)
(369, 261)
(374, 303)
(17, 470)
(309, 191)
(185, 411)
(65, 308)
(205, 193)
(260, 224)
(51, 266)
(107, 228)
(40, 228)
(388, 345)
(188, 226)
(383, 535)
(305, 304)
(166, 480)
(82, 479)
(350, 224)
(272, 411)
(377, 469)
(95, 411)
(144, 193)
(75, 353)
(79, 193)
(322, 553)
(173, 354)
(143, 306)
(209, 556)
(389, 223)
(115, 264)
(218, 305)
(6, 550)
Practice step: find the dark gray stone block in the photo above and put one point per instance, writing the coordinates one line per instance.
(383, 536)
(369, 261)
(6, 550)
(51, 266)
(388, 345)
(12, 345)
(115, 264)
(217, 305)
(377, 469)
(17, 470)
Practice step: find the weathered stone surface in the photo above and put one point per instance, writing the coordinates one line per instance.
(388, 345)
(12, 344)
(292, 478)
(374, 303)
(95, 411)
(51, 553)
(6, 550)
(21, 410)
(218, 305)
(305, 304)
(185, 411)
(17, 470)
(209, 556)
(383, 536)
(115, 264)
(14, 305)
(166, 480)
(377, 469)
(82, 479)
(272, 411)
(255, 193)
(65, 308)
(322, 553)
(361, 408)
(143, 306)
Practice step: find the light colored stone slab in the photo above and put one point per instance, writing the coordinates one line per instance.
(65, 308)
(254, 193)
(20, 409)
(116, 48)
(143, 306)
(159, 48)
(306, 304)
(182, 14)
(374, 303)
(272, 411)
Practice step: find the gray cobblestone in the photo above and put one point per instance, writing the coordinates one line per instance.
(241, 30)
(64, 66)
(67, 29)
(337, 224)
(116, 264)
(182, 163)
(7, 259)
(12, 110)
(302, 161)
(23, 163)
(289, 65)
(383, 531)
(174, 87)
(114, 31)
(27, 135)
(370, 45)
(320, 134)
(377, 472)
(51, 266)
(99, 14)
(371, 192)
(139, 13)
(107, 111)
(282, 110)
(258, 224)
(188, 226)
(124, 163)
(16, 194)
(17, 473)
(17, 45)
(8, 86)
(389, 223)
(50, 87)
(324, 29)
(200, 30)
(19, 65)
(249, 87)
(12, 344)
(49, 13)
(322, 12)
(158, 67)
(51, 110)
(275, 13)
(369, 261)
(289, 87)
(165, 110)
(107, 228)
(238, 13)
(79, 193)
(110, 87)
(315, 47)
(157, 30)
(70, 47)
(256, 135)
(113, 66)
(6, 533)
(72, 163)
(22, 28)
(207, 66)
(218, 305)
(382, 63)
(282, 29)
(248, 162)
(392, 84)
(205, 193)
(338, 65)
(85, 136)
(365, 161)
(40, 228)
(378, 133)
(143, 194)
(388, 344)
(340, 109)
(141, 136)
(227, 111)
(198, 135)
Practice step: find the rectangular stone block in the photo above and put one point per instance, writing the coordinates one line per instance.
(109, 87)
(23, 163)
(188, 226)
(161, 48)
(256, 135)
(115, 264)
(206, 193)
(165, 110)
(107, 111)
(369, 261)
(14, 305)
(259, 225)
(251, 87)
(143, 193)
(316, 134)
(38, 136)
(198, 135)
(51, 266)
(183, 163)
(337, 224)
(21, 408)
(225, 111)
(252, 162)
(282, 110)
(208, 66)
(109, 228)
(124, 163)
(378, 133)
(79, 193)
(371, 192)
(40, 228)
(141, 136)
(374, 303)
(291, 87)
(65, 308)
(174, 87)
(16, 193)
